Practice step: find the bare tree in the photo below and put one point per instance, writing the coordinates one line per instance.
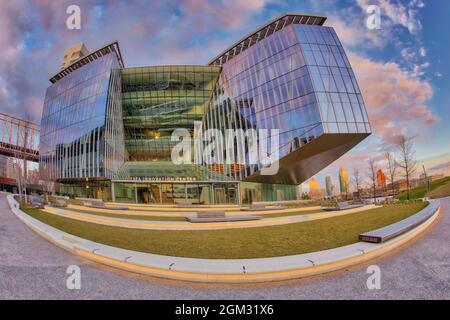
(372, 174)
(357, 180)
(24, 140)
(47, 185)
(406, 162)
(392, 169)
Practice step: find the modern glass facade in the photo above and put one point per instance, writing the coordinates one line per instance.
(297, 80)
(81, 126)
(155, 102)
(109, 128)
(158, 100)
(339, 98)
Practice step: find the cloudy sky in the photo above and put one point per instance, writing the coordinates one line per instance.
(403, 68)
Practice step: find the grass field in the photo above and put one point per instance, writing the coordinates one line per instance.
(441, 192)
(162, 218)
(127, 216)
(238, 243)
(288, 214)
(420, 192)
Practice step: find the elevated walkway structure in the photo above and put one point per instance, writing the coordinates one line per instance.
(19, 138)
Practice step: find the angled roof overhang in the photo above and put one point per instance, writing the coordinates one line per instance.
(109, 48)
(265, 31)
(301, 164)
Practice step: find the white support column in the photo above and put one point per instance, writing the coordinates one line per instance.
(113, 193)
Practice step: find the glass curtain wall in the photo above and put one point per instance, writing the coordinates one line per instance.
(341, 104)
(81, 128)
(267, 86)
(158, 100)
(297, 80)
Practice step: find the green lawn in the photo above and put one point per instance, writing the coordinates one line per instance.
(238, 243)
(420, 192)
(441, 192)
(126, 216)
(278, 215)
(168, 218)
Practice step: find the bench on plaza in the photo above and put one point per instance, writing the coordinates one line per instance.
(37, 202)
(218, 216)
(186, 204)
(345, 205)
(262, 207)
(99, 204)
(394, 230)
(59, 203)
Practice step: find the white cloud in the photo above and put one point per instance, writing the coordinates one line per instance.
(422, 52)
(406, 16)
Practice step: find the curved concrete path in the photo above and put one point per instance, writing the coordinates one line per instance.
(184, 225)
(31, 267)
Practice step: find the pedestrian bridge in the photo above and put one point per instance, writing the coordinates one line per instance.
(19, 138)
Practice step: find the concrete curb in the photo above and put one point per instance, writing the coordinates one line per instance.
(219, 270)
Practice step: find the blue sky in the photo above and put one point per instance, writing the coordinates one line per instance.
(403, 68)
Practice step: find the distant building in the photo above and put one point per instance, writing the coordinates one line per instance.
(6, 167)
(299, 191)
(7, 181)
(314, 188)
(329, 187)
(344, 181)
(381, 180)
(74, 53)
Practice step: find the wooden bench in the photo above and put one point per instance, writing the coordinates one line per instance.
(37, 202)
(99, 204)
(218, 216)
(394, 230)
(211, 214)
(59, 203)
(262, 207)
(346, 205)
(187, 205)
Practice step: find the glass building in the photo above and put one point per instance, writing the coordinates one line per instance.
(107, 130)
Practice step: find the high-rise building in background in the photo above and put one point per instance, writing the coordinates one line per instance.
(73, 54)
(313, 187)
(329, 186)
(106, 129)
(299, 191)
(7, 176)
(344, 181)
(381, 180)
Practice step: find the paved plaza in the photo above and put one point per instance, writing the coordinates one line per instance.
(33, 268)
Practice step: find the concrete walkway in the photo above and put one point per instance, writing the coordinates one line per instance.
(219, 270)
(32, 268)
(184, 225)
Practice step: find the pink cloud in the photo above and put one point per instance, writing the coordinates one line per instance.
(396, 101)
(230, 13)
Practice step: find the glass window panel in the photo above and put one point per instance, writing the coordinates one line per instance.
(333, 128)
(348, 112)
(361, 128)
(342, 127)
(357, 112)
(340, 117)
